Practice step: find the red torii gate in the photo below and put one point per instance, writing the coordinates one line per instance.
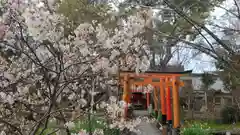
(167, 80)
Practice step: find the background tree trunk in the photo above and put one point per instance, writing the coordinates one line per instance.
(205, 99)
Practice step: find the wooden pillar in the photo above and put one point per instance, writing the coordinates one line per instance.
(163, 106)
(155, 95)
(163, 103)
(126, 96)
(148, 99)
(168, 102)
(176, 105)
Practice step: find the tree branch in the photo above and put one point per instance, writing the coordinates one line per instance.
(193, 22)
(238, 9)
(9, 124)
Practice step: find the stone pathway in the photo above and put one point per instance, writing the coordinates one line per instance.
(148, 129)
(145, 127)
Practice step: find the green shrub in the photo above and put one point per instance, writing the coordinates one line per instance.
(196, 129)
(229, 114)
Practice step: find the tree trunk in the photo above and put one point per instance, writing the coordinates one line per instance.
(192, 108)
(153, 63)
(206, 103)
(189, 102)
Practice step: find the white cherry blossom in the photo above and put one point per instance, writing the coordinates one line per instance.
(47, 70)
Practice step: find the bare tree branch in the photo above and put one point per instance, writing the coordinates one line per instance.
(238, 9)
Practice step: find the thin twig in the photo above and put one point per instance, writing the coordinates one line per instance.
(9, 124)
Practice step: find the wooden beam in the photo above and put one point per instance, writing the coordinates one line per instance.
(154, 74)
(149, 81)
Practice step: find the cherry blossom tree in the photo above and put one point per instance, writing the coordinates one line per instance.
(48, 73)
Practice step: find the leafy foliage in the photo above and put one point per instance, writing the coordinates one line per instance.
(229, 114)
(207, 80)
(228, 56)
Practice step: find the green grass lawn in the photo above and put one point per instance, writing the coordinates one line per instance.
(215, 126)
(224, 126)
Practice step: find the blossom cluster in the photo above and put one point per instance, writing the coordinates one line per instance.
(45, 69)
(115, 113)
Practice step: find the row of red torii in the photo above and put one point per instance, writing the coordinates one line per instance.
(167, 82)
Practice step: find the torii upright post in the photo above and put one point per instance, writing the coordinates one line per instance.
(163, 102)
(155, 95)
(163, 106)
(168, 102)
(126, 96)
(148, 99)
(176, 105)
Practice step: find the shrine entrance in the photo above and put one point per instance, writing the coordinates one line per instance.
(138, 100)
(164, 87)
